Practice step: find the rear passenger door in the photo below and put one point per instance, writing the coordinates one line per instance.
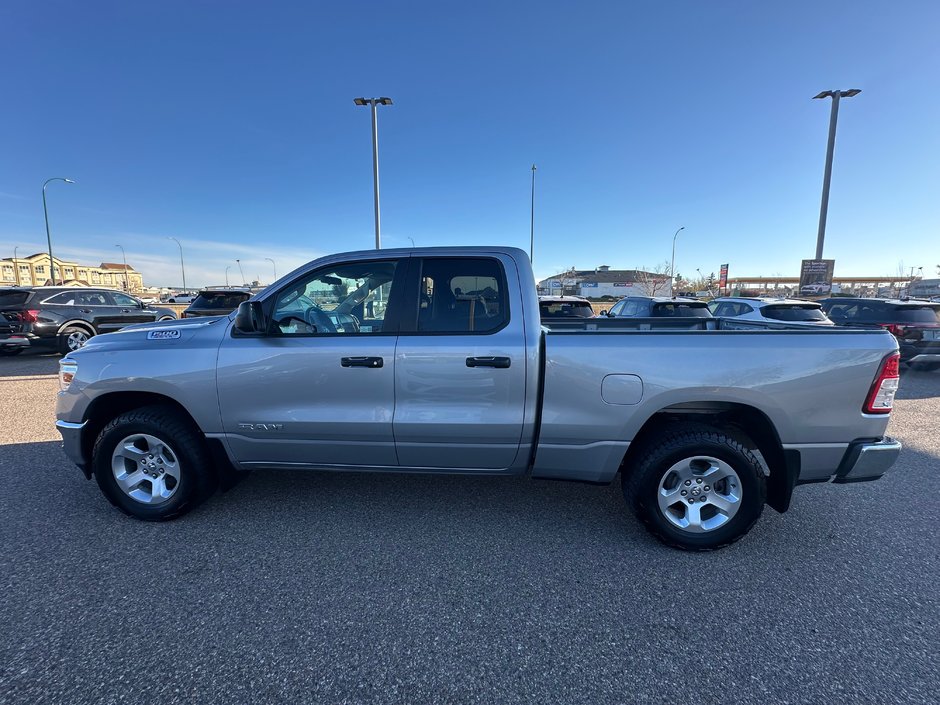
(131, 310)
(460, 365)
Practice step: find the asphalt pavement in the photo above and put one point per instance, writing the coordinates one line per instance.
(354, 588)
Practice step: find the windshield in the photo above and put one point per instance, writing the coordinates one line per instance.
(219, 299)
(13, 298)
(684, 309)
(566, 309)
(790, 312)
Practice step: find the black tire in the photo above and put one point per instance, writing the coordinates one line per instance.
(641, 484)
(166, 318)
(197, 476)
(64, 342)
(10, 352)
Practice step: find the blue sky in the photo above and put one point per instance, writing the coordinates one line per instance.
(231, 126)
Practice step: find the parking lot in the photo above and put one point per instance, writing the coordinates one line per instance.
(347, 588)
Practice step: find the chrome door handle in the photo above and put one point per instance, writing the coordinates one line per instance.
(373, 362)
(125, 310)
(498, 362)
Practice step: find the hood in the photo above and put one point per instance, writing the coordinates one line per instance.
(180, 333)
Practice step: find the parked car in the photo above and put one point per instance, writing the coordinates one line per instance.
(770, 309)
(552, 307)
(184, 297)
(815, 289)
(436, 360)
(915, 324)
(216, 302)
(64, 318)
(658, 306)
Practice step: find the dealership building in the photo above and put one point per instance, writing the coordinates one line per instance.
(604, 281)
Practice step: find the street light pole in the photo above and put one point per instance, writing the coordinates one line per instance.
(373, 102)
(672, 267)
(45, 211)
(830, 148)
(124, 254)
(239, 263)
(532, 220)
(227, 267)
(16, 266)
(273, 265)
(182, 267)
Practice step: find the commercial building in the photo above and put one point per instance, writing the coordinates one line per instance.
(34, 271)
(603, 281)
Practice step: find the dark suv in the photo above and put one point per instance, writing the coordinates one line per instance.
(63, 318)
(916, 324)
(216, 302)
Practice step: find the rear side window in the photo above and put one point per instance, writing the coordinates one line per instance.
(13, 298)
(217, 299)
(682, 310)
(462, 295)
(793, 313)
(915, 314)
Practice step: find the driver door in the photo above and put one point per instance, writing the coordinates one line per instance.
(318, 390)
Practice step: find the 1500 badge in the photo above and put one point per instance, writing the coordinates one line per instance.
(169, 334)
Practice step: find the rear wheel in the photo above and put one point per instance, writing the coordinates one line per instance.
(696, 488)
(152, 464)
(10, 352)
(72, 338)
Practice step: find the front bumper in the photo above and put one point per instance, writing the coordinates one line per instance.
(868, 460)
(72, 442)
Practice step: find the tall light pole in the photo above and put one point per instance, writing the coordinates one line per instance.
(16, 266)
(227, 267)
(373, 102)
(273, 265)
(124, 254)
(239, 263)
(827, 176)
(532, 220)
(182, 267)
(46, 213)
(412, 240)
(672, 267)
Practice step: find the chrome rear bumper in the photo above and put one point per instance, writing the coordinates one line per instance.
(868, 460)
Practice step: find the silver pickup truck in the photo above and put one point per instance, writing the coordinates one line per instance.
(435, 360)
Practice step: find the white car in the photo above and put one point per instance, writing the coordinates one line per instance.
(814, 289)
(771, 310)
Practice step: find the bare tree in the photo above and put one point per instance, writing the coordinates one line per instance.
(655, 281)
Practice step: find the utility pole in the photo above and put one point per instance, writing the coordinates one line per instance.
(16, 266)
(227, 267)
(126, 287)
(275, 268)
(241, 273)
(830, 148)
(182, 267)
(672, 267)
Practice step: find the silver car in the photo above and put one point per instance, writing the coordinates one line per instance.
(770, 310)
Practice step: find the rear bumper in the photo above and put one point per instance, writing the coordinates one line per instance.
(14, 341)
(868, 460)
(72, 442)
(925, 351)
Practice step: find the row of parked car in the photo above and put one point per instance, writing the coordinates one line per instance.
(64, 318)
(915, 323)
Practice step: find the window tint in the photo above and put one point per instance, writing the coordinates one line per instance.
(565, 309)
(465, 295)
(124, 300)
(915, 314)
(66, 298)
(617, 308)
(344, 299)
(682, 310)
(793, 313)
(91, 298)
(220, 299)
(13, 298)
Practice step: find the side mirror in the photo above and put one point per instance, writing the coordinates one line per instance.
(250, 318)
(604, 312)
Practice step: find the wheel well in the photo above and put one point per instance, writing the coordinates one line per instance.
(78, 323)
(747, 424)
(105, 408)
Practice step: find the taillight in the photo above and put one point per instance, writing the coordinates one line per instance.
(30, 316)
(881, 395)
(894, 329)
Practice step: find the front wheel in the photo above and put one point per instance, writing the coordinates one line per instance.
(152, 464)
(73, 338)
(696, 488)
(166, 318)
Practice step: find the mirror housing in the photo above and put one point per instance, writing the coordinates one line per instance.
(250, 318)
(603, 312)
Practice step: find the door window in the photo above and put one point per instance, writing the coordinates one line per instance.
(462, 295)
(124, 300)
(343, 299)
(92, 298)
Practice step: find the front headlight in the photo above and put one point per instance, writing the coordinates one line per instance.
(67, 371)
